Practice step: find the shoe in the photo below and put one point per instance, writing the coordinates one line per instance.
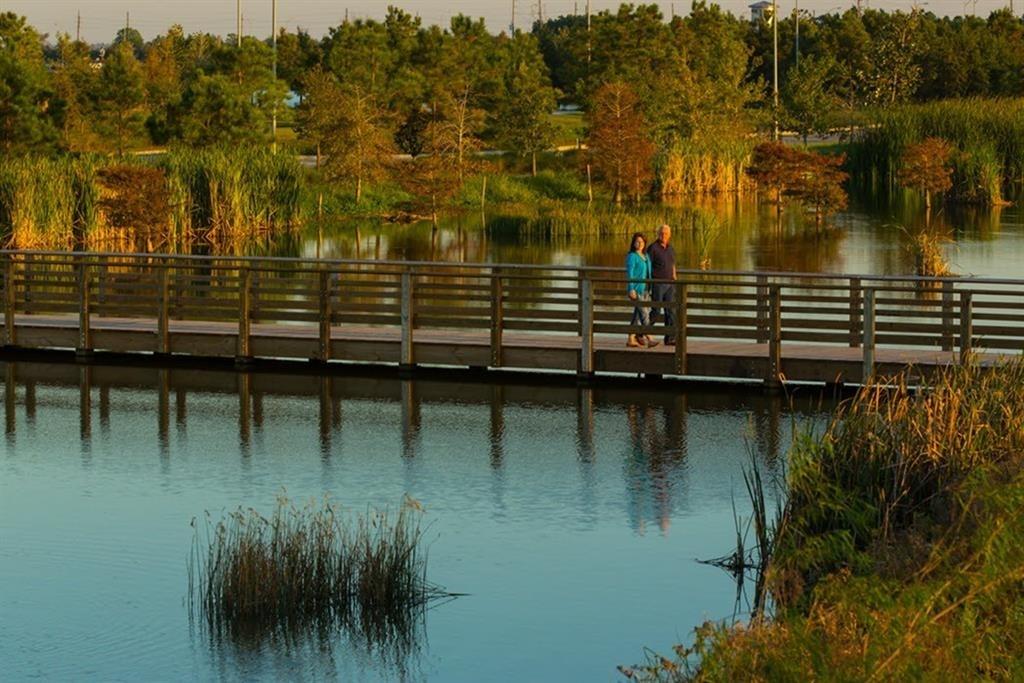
(651, 343)
(632, 342)
(670, 342)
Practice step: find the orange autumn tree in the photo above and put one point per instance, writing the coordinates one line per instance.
(621, 149)
(816, 180)
(927, 167)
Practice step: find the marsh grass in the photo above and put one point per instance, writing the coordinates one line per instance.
(899, 554)
(928, 249)
(714, 165)
(233, 195)
(309, 568)
(988, 137)
(219, 195)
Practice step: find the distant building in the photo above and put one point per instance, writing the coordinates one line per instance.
(760, 11)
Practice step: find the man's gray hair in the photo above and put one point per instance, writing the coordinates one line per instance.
(662, 228)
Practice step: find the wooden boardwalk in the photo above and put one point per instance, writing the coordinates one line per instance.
(769, 327)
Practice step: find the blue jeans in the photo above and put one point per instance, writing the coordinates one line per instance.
(664, 294)
(640, 315)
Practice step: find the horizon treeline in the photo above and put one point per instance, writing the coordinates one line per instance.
(703, 76)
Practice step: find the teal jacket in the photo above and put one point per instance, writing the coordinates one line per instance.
(638, 269)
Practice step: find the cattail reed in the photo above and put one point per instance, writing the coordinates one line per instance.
(311, 567)
(988, 137)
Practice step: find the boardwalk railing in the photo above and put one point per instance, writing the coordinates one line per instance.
(771, 326)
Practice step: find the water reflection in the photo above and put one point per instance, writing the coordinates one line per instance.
(869, 238)
(570, 502)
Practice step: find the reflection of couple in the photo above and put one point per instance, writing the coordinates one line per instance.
(654, 262)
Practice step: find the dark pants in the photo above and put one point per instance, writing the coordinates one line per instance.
(664, 294)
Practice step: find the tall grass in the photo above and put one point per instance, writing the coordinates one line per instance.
(900, 551)
(987, 134)
(311, 567)
(219, 194)
(707, 167)
(47, 203)
(233, 194)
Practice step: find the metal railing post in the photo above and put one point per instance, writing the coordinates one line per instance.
(324, 292)
(681, 304)
(773, 379)
(243, 353)
(947, 316)
(408, 320)
(868, 368)
(497, 317)
(84, 347)
(762, 309)
(10, 331)
(586, 315)
(856, 300)
(966, 326)
(163, 330)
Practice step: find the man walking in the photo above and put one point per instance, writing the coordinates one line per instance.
(663, 267)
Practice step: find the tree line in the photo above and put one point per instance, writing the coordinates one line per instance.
(654, 90)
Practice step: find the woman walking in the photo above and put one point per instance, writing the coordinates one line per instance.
(638, 271)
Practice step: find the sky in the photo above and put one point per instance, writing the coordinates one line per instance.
(102, 18)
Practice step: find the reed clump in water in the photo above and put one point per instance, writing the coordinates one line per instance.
(311, 567)
(900, 551)
(929, 253)
(229, 195)
(712, 166)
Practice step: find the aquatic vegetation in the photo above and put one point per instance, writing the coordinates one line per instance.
(232, 194)
(46, 203)
(311, 566)
(988, 137)
(708, 166)
(899, 551)
(80, 201)
(929, 254)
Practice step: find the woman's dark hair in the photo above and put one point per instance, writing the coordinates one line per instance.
(632, 240)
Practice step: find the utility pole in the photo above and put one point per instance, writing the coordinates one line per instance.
(78, 27)
(796, 18)
(775, 70)
(238, 23)
(273, 44)
(588, 32)
(512, 25)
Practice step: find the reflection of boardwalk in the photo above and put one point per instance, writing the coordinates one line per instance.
(750, 326)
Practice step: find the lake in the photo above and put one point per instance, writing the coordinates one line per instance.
(872, 237)
(572, 517)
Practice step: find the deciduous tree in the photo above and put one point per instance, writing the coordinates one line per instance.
(927, 167)
(620, 147)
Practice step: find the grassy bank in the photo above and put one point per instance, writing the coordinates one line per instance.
(900, 551)
(988, 136)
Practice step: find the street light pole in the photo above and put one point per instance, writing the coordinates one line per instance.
(273, 43)
(796, 18)
(775, 64)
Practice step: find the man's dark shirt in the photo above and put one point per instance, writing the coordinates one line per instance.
(663, 260)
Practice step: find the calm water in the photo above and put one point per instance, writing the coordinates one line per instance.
(870, 238)
(572, 517)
